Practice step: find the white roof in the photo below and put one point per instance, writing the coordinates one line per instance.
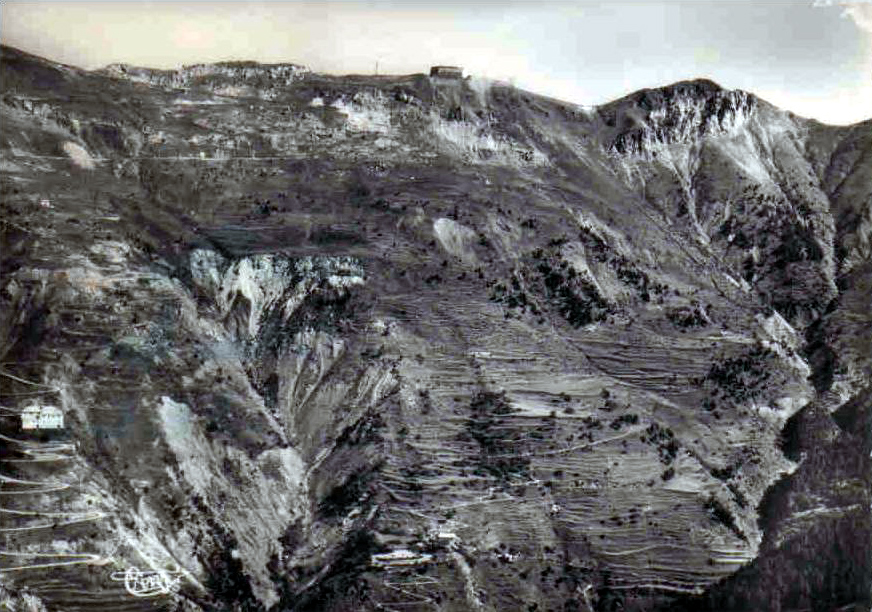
(397, 554)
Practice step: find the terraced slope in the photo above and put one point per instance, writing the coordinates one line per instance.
(359, 343)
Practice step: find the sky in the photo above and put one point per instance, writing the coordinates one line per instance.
(813, 57)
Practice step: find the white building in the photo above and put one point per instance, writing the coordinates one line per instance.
(399, 558)
(42, 417)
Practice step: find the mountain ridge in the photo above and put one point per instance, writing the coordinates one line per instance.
(372, 311)
(117, 69)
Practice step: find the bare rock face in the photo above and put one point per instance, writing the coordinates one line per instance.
(681, 113)
(366, 343)
(224, 78)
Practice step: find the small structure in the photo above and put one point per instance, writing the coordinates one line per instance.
(42, 417)
(447, 72)
(399, 558)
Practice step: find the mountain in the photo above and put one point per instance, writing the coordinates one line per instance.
(423, 343)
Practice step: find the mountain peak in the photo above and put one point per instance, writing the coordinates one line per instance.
(672, 114)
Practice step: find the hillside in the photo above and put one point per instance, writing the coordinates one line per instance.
(566, 358)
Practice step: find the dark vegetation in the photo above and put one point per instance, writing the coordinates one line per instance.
(821, 357)
(825, 563)
(744, 376)
(720, 513)
(627, 272)
(747, 454)
(342, 588)
(797, 244)
(785, 229)
(577, 298)
(229, 587)
(664, 439)
(549, 275)
(367, 430)
(323, 308)
(628, 419)
(824, 567)
(342, 497)
(693, 315)
(501, 448)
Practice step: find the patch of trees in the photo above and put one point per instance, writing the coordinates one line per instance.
(572, 294)
(730, 228)
(366, 430)
(821, 357)
(325, 308)
(688, 316)
(627, 272)
(500, 447)
(513, 295)
(578, 300)
(628, 419)
(797, 244)
(720, 513)
(740, 498)
(826, 565)
(664, 439)
(790, 257)
(744, 376)
(747, 454)
(594, 244)
(575, 297)
(227, 583)
(342, 588)
(343, 496)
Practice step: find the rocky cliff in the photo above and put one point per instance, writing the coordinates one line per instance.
(360, 343)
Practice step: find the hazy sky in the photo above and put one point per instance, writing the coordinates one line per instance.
(813, 57)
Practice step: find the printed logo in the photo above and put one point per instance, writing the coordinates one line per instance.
(149, 583)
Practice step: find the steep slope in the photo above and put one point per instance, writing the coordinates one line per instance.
(349, 343)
